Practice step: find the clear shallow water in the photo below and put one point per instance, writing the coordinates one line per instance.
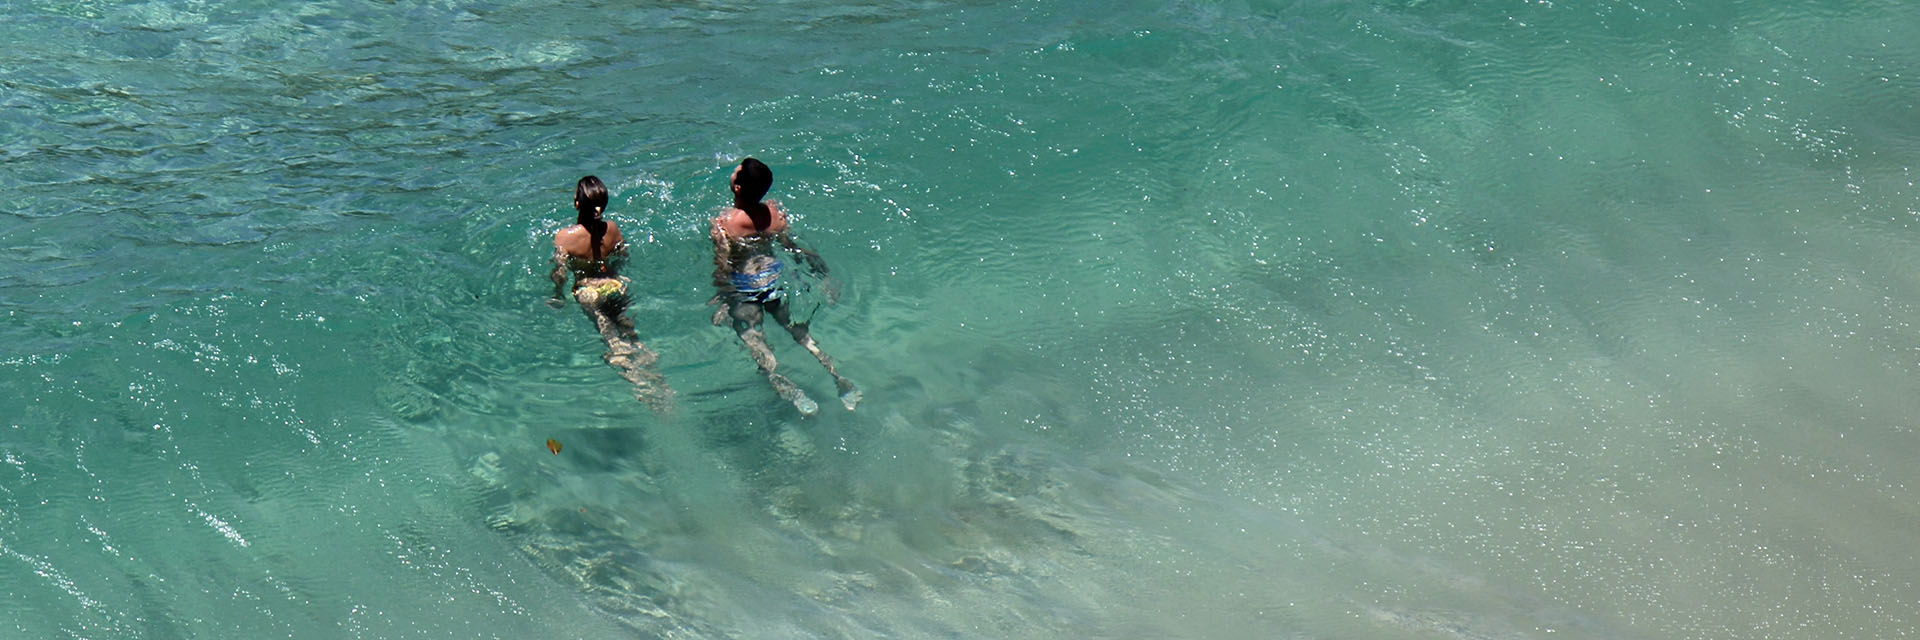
(1210, 320)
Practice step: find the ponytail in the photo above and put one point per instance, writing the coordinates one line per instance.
(596, 229)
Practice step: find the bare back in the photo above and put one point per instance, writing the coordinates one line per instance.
(577, 242)
(735, 223)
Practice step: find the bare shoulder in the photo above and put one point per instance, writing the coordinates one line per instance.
(778, 216)
(734, 223)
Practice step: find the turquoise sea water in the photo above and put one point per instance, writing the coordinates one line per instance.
(1408, 319)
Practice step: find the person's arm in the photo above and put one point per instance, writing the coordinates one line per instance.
(559, 274)
(722, 257)
(818, 265)
(815, 263)
(784, 234)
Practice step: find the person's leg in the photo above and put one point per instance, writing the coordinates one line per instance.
(849, 394)
(746, 322)
(628, 355)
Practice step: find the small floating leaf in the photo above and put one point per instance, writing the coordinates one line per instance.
(553, 445)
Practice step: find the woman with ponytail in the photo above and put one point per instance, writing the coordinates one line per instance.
(593, 250)
(747, 271)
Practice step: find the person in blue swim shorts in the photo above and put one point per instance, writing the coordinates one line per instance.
(748, 240)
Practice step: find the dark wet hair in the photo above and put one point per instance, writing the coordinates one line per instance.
(590, 198)
(754, 180)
